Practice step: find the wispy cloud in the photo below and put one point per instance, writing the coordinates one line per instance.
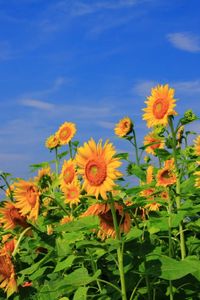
(192, 87)
(143, 87)
(106, 124)
(37, 104)
(185, 41)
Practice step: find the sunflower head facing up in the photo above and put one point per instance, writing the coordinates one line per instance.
(166, 176)
(11, 216)
(68, 173)
(103, 211)
(154, 141)
(66, 132)
(27, 199)
(197, 146)
(123, 127)
(98, 167)
(44, 179)
(7, 273)
(160, 105)
(72, 193)
(52, 142)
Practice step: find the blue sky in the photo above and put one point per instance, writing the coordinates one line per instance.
(89, 62)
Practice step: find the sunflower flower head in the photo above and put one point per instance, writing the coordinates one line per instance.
(103, 211)
(11, 216)
(197, 146)
(68, 173)
(72, 193)
(153, 141)
(44, 179)
(66, 132)
(27, 199)
(66, 219)
(124, 127)
(52, 142)
(98, 167)
(160, 105)
(166, 176)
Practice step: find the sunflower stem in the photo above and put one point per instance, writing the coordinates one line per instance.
(178, 188)
(57, 161)
(70, 150)
(136, 148)
(8, 186)
(170, 243)
(19, 240)
(119, 251)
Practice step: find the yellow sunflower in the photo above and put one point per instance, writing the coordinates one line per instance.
(154, 141)
(123, 127)
(197, 179)
(11, 217)
(68, 173)
(44, 179)
(166, 176)
(66, 132)
(153, 206)
(52, 142)
(160, 105)
(72, 193)
(27, 199)
(197, 146)
(98, 166)
(103, 211)
(66, 219)
(7, 274)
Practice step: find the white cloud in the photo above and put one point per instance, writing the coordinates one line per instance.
(185, 41)
(105, 124)
(192, 87)
(37, 104)
(143, 87)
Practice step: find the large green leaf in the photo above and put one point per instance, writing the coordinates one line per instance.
(81, 293)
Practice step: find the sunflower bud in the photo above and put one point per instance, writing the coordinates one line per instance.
(189, 116)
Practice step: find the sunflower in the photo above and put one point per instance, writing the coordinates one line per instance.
(44, 179)
(197, 180)
(68, 173)
(153, 206)
(11, 216)
(66, 219)
(98, 165)
(27, 199)
(160, 105)
(179, 135)
(197, 146)
(7, 274)
(103, 211)
(153, 141)
(72, 193)
(66, 132)
(166, 176)
(52, 142)
(123, 127)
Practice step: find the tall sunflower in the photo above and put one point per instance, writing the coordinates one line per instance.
(68, 173)
(98, 166)
(197, 146)
(11, 217)
(123, 127)
(72, 193)
(66, 132)
(7, 274)
(27, 199)
(166, 176)
(52, 142)
(160, 105)
(103, 211)
(154, 141)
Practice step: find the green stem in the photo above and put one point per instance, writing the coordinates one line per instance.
(70, 150)
(178, 188)
(57, 161)
(8, 186)
(135, 289)
(110, 284)
(170, 244)
(136, 148)
(119, 252)
(94, 269)
(19, 240)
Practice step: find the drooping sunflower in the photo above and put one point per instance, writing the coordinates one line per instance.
(72, 193)
(98, 166)
(197, 179)
(68, 173)
(11, 216)
(160, 105)
(103, 211)
(7, 274)
(166, 176)
(154, 141)
(44, 179)
(52, 142)
(66, 132)
(124, 127)
(197, 146)
(27, 199)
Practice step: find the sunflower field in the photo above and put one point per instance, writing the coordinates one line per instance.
(81, 229)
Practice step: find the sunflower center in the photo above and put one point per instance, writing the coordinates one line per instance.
(160, 108)
(155, 144)
(95, 172)
(68, 175)
(108, 219)
(65, 133)
(73, 193)
(31, 196)
(166, 174)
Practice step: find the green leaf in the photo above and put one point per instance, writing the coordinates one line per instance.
(61, 155)
(85, 223)
(65, 264)
(80, 277)
(136, 170)
(134, 233)
(162, 153)
(122, 156)
(81, 293)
